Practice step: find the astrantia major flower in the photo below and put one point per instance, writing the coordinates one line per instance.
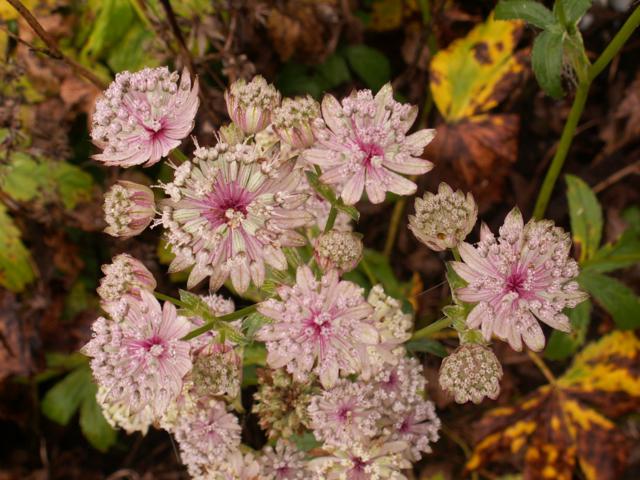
(445, 219)
(362, 142)
(142, 116)
(230, 212)
(338, 250)
(523, 276)
(119, 414)
(283, 462)
(250, 104)
(345, 414)
(128, 209)
(376, 461)
(471, 373)
(206, 434)
(318, 327)
(292, 121)
(141, 360)
(124, 277)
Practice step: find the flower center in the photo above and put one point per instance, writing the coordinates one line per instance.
(227, 204)
(373, 154)
(515, 283)
(344, 413)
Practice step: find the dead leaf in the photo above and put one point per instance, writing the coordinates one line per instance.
(623, 126)
(15, 355)
(561, 427)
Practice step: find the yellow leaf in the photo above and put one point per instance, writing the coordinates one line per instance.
(388, 14)
(469, 76)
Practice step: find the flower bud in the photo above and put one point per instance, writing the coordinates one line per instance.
(128, 209)
(293, 119)
(124, 276)
(250, 104)
(443, 220)
(231, 134)
(471, 372)
(338, 250)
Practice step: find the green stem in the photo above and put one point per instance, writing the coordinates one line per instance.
(368, 272)
(431, 328)
(331, 220)
(167, 298)
(456, 254)
(210, 325)
(394, 225)
(576, 111)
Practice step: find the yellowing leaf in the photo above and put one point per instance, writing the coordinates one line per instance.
(16, 270)
(474, 73)
(562, 426)
(388, 14)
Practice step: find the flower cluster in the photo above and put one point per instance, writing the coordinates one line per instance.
(362, 143)
(124, 277)
(523, 276)
(142, 116)
(338, 250)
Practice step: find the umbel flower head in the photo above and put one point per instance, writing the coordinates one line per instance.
(119, 414)
(375, 461)
(281, 403)
(124, 277)
(443, 220)
(471, 373)
(293, 120)
(140, 361)
(128, 209)
(338, 250)
(363, 142)
(230, 212)
(523, 276)
(142, 116)
(250, 104)
(206, 433)
(318, 327)
(283, 462)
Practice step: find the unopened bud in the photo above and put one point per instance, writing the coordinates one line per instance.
(124, 276)
(128, 209)
(250, 104)
(338, 250)
(292, 121)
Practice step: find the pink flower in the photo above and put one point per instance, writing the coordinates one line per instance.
(283, 462)
(417, 424)
(250, 104)
(128, 209)
(141, 360)
(142, 116)
(231, 211)
(206, 434)
(318, 327)
(523, 275)
(363, 142)
(123, 278)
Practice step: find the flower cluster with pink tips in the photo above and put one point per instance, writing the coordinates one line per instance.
(266, 212)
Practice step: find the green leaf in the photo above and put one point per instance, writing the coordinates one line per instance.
(326, 192)
(381, 268)
(74, 185)
(306, 441)
(427, 345)
(296, 79)
(574, 9)
(531, 11)
(135, 55)
(93, 424)
(334, 71)
(62, 401)
(562, 345)
(16, 270)
(21, 178)
(255, 354)
(113, 19)
(546, 60)
(631, 215)
(586, 217)
(623, 253)
(615, 297)
(373, 68)
(253, 323)
(249, 376)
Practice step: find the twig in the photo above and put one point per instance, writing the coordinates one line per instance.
(617, 176)
(52, 46)
(576, 111)
(177, 33)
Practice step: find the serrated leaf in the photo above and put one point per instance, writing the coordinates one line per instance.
(21, 178)
(623, 253)
(562, 345)
(561, 427)
(62, 401)
(93, 424)
(16, 270)
(73, 184)
(467, 78)
(371, 65)
(546, 60)
(531, 11)
(586, 217)
(614, 296)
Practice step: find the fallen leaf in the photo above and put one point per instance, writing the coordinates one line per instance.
(15, 355)
(562, 426)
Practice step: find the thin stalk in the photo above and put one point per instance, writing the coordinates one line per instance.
(52, 46)
(542, 367)
(210, 325)
(167, 298)
(431, 328)
(394, 225)
(331, 219)
(368, 272)
(576, 111)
